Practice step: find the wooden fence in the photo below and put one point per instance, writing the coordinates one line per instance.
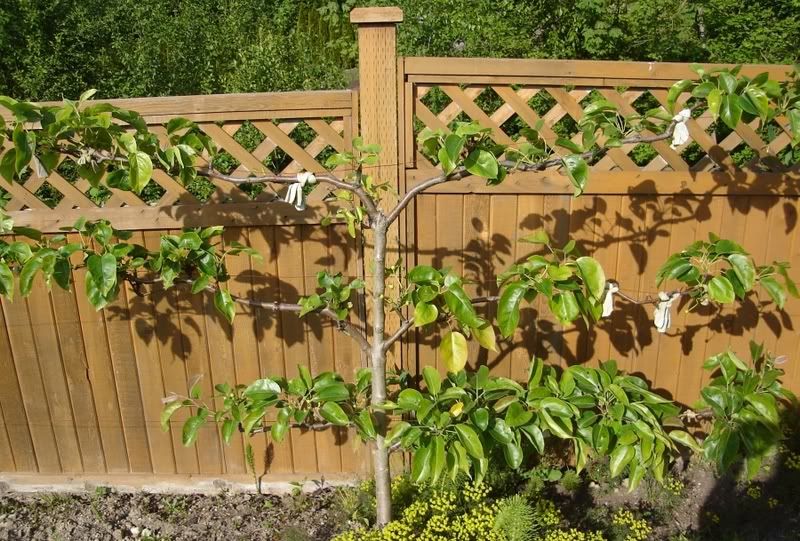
(80, 392)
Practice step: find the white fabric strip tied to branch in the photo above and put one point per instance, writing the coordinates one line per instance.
(680, 134)
(608, 302)
(295, 194)
(662, 316)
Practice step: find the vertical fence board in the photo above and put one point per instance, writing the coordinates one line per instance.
(269, 338)
(15, 416)
(142, 328)
(76, 371)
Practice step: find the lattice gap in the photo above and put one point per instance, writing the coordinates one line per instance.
(48, 195)
(642, 154)
(436, 100)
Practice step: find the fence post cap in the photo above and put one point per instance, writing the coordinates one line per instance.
(376, 15)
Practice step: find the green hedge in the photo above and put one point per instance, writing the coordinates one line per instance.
(53, 49)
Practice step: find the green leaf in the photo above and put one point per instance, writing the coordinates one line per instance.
(409, 399)
(91, 172)
(620, 457)
(470, 440)
(535, 436)
(508, 307)
(7, 170)
(517, 415)
(686, 439)
(421, 464)
(200, 284)
(333, 413)
(224, 304)
(141, 170)
(569, 145)
(593, 276)
(765, 405)
(485, 336)
(720, 290)
(437, 458)
(759, 100)
(744, 269)
(62, 272)
(396, 432)
(513, 455)
(453, 350)
(6, 281)
(556, 406)
(481, 163)
(565, 307)
(445, 162)
(480, 418)
(775, 290)
(333, 392)
(637, 472)
(675, 91)
(422, 274)
(730, 112)
(103, 270)
(727, 82)
(24, 142)
(578, 172)
(228, 428)
(537, 237)
(794, 124)
(459, 303)
(262, 388)
(432, 380)
(166, 414)
(714, 100)
(278, 430)
(27, 274)
(191, 427)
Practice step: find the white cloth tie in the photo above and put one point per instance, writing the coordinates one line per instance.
(680, 134)
(608, 301)
(662, 315)
(294, 192)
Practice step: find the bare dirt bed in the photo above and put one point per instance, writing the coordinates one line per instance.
(106, 515)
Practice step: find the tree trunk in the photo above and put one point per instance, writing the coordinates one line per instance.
(380, 456)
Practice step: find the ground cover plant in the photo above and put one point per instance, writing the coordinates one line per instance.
(461, 423)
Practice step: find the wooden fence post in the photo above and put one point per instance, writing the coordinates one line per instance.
(377, 111)
(378, 117)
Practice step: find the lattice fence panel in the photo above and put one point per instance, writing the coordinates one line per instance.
(256, 134)
(506, 108)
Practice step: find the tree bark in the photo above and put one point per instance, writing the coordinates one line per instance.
(380, 454)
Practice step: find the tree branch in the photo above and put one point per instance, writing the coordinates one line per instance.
(398, 334)
(81, 152)
(460, 172)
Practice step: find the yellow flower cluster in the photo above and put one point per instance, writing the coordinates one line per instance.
(476, 492)
(674, 486)
(401, 486)
(754, 491)
(638, 529)
(548, 514)
(793, 461)
(437, 518)
(573, 535)
(773, 503)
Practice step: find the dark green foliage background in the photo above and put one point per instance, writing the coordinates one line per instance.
(51, 49)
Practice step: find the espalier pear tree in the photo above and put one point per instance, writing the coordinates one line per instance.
(460, 422)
